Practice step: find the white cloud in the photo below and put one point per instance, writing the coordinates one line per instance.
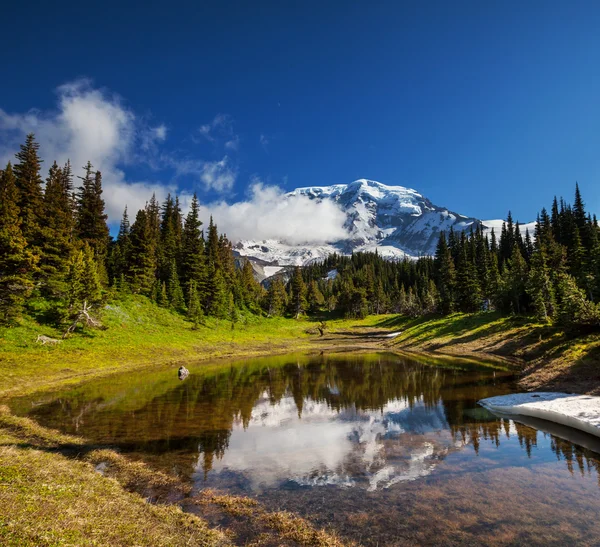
(270, 214)
(233, 144)
(214, 175)
(264, 141)
(220, 131)
(89, 124)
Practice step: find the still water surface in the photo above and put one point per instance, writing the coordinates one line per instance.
(385, 449)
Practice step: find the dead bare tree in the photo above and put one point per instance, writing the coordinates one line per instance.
(85, 318)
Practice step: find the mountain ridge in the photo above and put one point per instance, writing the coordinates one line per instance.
(397, 221)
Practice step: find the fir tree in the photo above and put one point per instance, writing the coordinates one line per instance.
(91, 217)
(194, 308)
(276, 298)
(29, 186)
(445, 275)
(17, 262)
(174, 290)
(298, 294)
(193, 266)
(539, 286)
(56, 236)
(314, 297)
(142, 263)
(83, 281)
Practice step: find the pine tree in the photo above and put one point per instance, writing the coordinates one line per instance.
(142, 263)
(29, 186)
(219, 303)
(121, 250)
(314, 297)
(276, 300)
(17, 261)
(162, 298)
(193, 266)
(213, 254)
(170, 237)
(56, 237)
(514, 280)
(298, 293)
(445, 275)
(539, 286)
(91, 217)
(174, 290)
(248, 285)
(83, 281)
(575, 311)
(194, 308)
(467, 285)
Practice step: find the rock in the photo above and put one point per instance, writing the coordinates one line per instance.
(183, 373)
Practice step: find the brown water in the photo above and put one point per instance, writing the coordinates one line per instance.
(385, 449)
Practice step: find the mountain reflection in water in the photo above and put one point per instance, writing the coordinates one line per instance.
(384, 449)
(352, 421)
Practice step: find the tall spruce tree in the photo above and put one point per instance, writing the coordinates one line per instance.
(29, 184)
(298, 294)
(56, 236)
(91, 217)
(445, 275)
(193, 266)
(17, 261)
(142, 260)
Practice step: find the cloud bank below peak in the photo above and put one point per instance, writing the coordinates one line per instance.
(269, 213)
(91, 123)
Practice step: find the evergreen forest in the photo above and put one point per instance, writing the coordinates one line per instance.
(60, 265)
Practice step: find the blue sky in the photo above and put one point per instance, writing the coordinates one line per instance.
(481, 106)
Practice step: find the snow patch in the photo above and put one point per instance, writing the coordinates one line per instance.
(272, 270)
(578, 411)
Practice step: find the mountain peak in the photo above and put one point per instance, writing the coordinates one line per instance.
(396, 220)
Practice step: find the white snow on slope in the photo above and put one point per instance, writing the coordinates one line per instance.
(578, 411)
(396, 221)
(497, 226)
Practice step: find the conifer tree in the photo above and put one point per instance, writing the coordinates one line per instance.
(276, 298)
(17, 261)
(56, 236)
(29, 185)
(193, 267)
(121, 250)
(219, 302)
(162, 298)
(91, 217)
(445, 275)
(213, 254)
(314, 297)
(539, 286)
(142, 263)
(83, 281)
(194, 308)
(514, 280)
(298, 293)
(467, 285)
(174, 290)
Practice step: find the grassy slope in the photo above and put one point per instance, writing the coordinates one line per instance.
(139, 333)
(42, 493)
(550, 358)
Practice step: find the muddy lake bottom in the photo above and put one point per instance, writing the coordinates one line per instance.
(383, 449)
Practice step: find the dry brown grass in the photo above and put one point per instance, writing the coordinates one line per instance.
(49, 499)
(288, 528)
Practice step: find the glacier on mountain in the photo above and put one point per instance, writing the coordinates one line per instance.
(395, 221)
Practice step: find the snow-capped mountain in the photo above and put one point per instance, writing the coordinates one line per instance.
(397, 221)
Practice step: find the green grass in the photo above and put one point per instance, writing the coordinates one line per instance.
(138, 333)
